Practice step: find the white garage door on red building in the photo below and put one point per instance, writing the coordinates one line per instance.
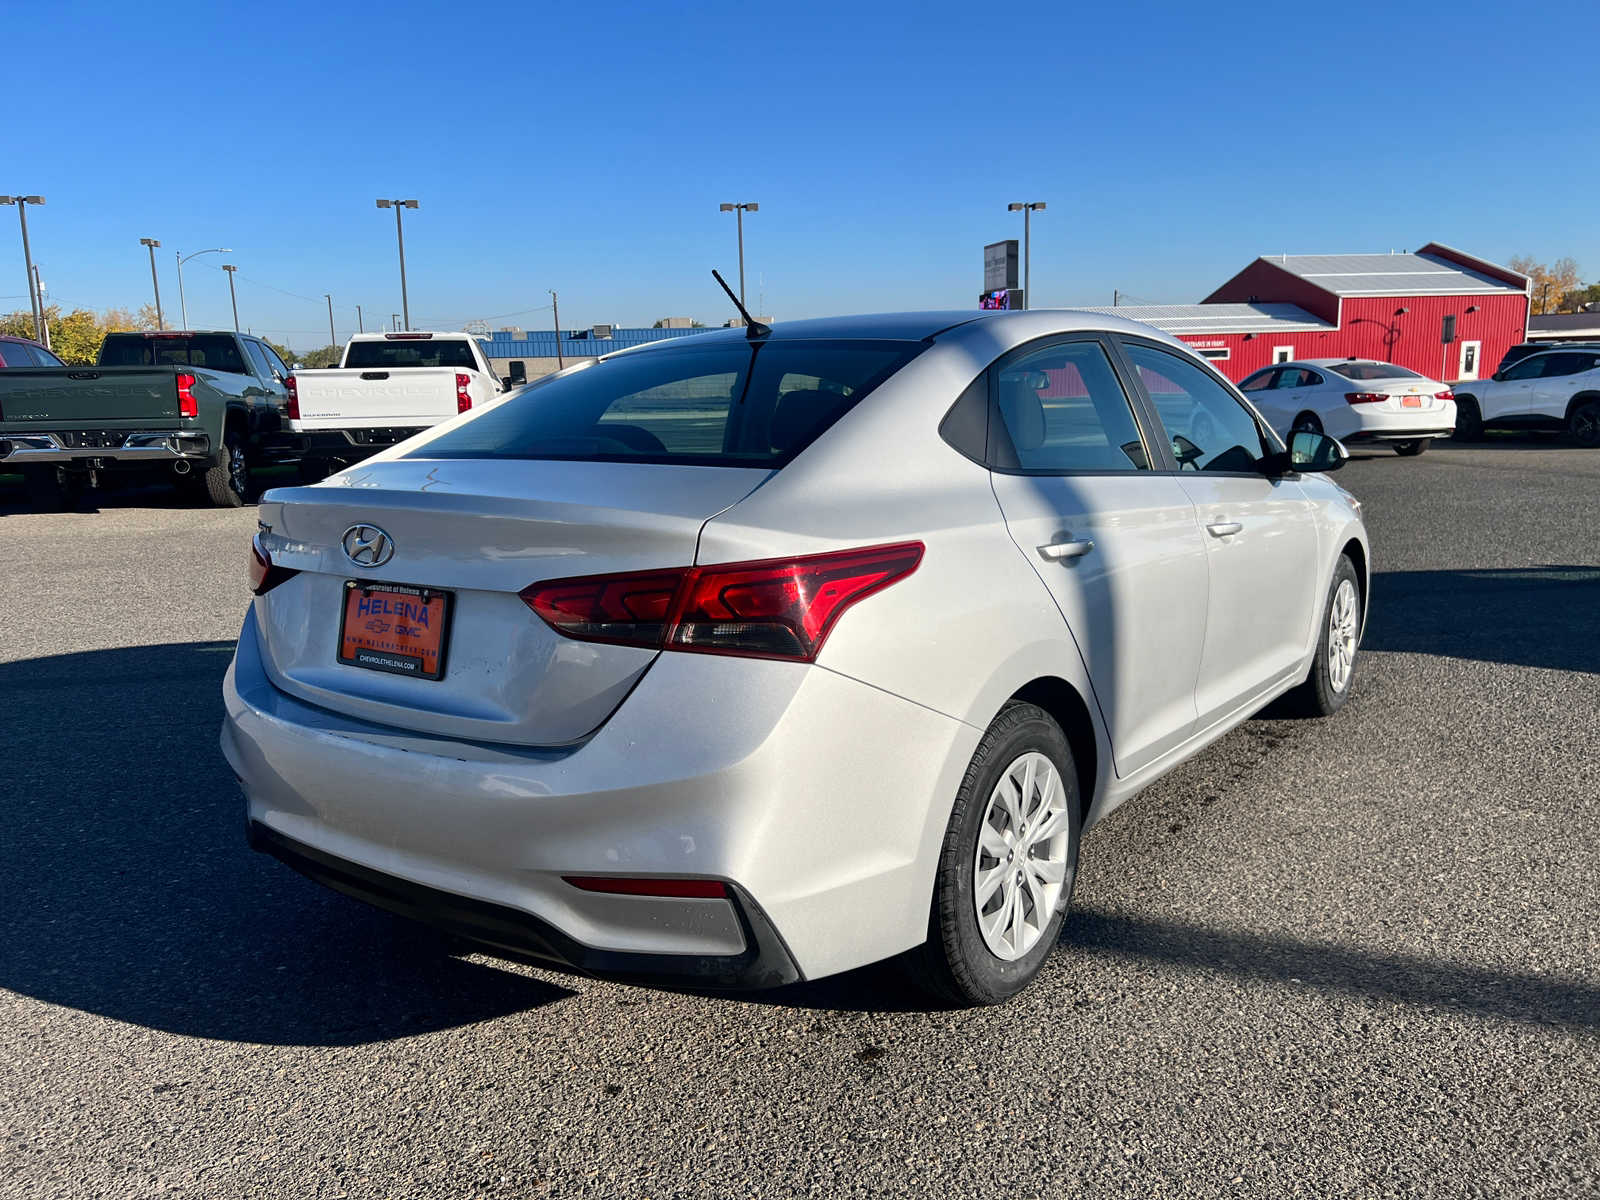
(1439, 311)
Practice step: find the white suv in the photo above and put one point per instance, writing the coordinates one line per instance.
(1556, 389)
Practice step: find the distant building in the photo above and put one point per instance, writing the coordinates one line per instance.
(1565, 327)
(1391, 307)
(536, 349)
(675, 323)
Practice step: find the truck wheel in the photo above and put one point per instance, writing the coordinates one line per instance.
(228, 482)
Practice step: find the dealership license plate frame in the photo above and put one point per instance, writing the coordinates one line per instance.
(428, 595)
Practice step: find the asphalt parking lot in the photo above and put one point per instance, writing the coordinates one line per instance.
(1351, 958)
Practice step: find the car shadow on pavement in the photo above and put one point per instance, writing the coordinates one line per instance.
(1396, 977)
(1524, 616)
(130, 892)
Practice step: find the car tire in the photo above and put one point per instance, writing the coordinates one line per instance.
(228, 482)
(1306, 422)
(1469, 420)
(1583, 423)
(1328, 685)
(1023, 766)
(1412, 447)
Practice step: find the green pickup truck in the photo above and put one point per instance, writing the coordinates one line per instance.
(200, 408)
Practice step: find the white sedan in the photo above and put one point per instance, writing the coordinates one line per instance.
(1354, 400)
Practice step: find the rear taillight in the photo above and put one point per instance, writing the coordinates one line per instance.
(263, 575)
(188, 406)
(463, 397)
(1446, 395)
(777, 608)
(293, 388)
(1366, 397)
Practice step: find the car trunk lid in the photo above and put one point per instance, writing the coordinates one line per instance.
(479, 531)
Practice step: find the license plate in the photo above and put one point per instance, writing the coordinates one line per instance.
(1410, 401)
(393, 627)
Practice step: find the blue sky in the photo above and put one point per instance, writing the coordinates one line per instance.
(586, 148)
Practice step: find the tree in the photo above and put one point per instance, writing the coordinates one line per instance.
(1578, 299)
(289, 356)
(328, 356)
(1550, 284)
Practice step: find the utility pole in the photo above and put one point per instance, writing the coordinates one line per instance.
(360, 328)
(333, 338)
(230, 269)
(1027, 210)
(400, 239)
(153, 245)
(1116, 297)
(739, 210)
(44, 325)
(394, 322)
(35, 302)
(555, 307)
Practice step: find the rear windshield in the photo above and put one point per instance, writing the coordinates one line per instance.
(397, 355)
(216, 351)
(736, 404)
(1365, 371)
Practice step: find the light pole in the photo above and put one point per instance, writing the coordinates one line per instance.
(152, 245)
(739, 210)
(44, 326)
(360, 325)
(333, 338)
(35, 304)
(232, 295)
(1027, 210)
(183, 306)
(555, 308)
(400, 239)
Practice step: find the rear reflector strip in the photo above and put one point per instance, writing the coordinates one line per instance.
(694, 889)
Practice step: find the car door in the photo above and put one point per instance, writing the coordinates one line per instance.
(1510, 394)
(1553, 386)
(1111, 535)
(1260, 534)
(1294, 395)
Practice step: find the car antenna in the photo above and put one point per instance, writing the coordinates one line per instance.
(753, 328)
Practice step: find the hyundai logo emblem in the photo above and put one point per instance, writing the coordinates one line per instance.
(367, 545)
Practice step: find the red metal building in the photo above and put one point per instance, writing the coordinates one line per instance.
(1391, 307)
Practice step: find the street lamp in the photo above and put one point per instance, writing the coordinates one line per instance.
(35, 301)
(1027, 210)
(740, 210)
(183, 307)
(153, 246)
(232, 295)
(400, 238)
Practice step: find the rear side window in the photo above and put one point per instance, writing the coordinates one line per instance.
(1062, 409)
(400, 354)
(738, 404)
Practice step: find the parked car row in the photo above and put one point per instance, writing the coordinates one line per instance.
(205, 409)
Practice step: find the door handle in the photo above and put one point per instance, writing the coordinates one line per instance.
(1223, 528)
(1062, 551)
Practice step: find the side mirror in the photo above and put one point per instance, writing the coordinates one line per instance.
(518, 372)
(1315, 452)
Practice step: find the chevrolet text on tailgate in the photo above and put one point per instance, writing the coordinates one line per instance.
(388, 387)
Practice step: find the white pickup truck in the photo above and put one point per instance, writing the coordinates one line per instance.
(388, 387)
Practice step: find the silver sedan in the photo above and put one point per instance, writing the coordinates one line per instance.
(737, 660)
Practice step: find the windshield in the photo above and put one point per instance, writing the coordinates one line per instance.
(736, 404)
(397, 355)
(217, 351)
(1367, 370)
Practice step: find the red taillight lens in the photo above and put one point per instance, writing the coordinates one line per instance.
(263, 575)
(778, 608)
(293, 388)
(706, 889)
(187, 405)
(1444, 395)
(463, 397)
(1366, 397)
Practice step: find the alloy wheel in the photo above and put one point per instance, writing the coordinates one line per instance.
(1342, 619)
(1020, 867)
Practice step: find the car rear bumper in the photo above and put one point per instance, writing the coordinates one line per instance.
(1365, 423)
(819, 800)
(131, 447)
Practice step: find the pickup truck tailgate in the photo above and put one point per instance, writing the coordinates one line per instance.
(340, 398)
(107, 397)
